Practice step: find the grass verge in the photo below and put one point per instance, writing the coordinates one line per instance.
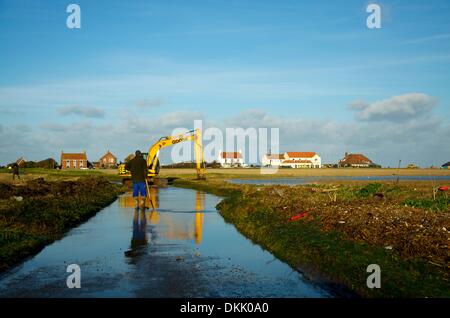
(47, 210)
(332, 256)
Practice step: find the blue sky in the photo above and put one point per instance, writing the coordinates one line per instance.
(137, 69)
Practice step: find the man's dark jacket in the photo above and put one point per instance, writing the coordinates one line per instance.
(138, 168)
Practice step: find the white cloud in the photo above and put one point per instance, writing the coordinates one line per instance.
(84, 111)
(417, 140)
(149, 103)
(424, 39)
(179, 119)
(397, 108)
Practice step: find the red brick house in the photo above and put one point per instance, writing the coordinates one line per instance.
(356, 160)
(108, 160)
(74, 160)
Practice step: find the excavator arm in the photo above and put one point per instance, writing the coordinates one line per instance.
(153, 154)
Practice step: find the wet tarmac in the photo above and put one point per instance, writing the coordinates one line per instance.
(181, 249)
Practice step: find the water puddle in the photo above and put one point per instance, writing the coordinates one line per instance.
(306, 180)
(181, 249)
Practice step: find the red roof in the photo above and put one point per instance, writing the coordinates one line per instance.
(231, 155)
(274, 157)
(73, 156)
(108, 154)
(355, 159)
(301, 154)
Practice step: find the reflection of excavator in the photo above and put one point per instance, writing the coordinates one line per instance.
(153, 154)
(199, 216)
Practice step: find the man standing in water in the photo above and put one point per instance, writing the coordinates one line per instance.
(138, 168)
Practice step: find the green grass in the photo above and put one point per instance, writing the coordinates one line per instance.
(440, 204)
(56, 174)
(369, 190)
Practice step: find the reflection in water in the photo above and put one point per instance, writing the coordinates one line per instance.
(139, 230)
(224, 264)
(199, 216)
(172, 225)
(152, 201)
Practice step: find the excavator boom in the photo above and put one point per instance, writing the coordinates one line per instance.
(153, 154)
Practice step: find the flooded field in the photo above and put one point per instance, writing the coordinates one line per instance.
(181, 249)
(306, 180)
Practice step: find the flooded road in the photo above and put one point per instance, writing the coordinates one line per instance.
(182, 249)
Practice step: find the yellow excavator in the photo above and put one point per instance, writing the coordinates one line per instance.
(152, 157)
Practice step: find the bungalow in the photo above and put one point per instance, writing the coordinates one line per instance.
(302, 160)
(356, 160)
(74, 160)
(293, 160)
(108, 160)
(272, 160)
(446, 165)
(231, 159)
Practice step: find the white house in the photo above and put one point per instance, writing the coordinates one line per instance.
(293, 160)
(272, 160)
(231, 159)
(302, 160)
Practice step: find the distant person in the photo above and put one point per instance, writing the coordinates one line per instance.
(15, 171)
(138, 168)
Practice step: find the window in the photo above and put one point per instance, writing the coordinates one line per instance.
(81, 163)
(74, 163)
(67, 163)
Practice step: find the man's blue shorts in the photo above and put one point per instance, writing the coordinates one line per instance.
(139, 188)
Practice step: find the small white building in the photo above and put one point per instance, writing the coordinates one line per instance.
(272, 160)
(231, 159)
(293, 160)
